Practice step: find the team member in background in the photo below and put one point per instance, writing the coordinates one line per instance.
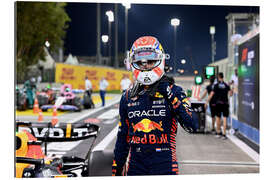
(39, 79)
(221, 91)
(88, 86)
(125, 83)
(103, 84)
(30, 87)
(149, 113)
(212, 102)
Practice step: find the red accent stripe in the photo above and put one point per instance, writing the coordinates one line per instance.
(136, 73)
(198, 91)
(174, 128)
(158, 71)
(128, 136)
(173, 145)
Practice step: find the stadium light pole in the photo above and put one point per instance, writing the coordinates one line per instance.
(213, 43)
(127, 6)
(116, 60)
(105, 39)
(175, 22)
(98, 55)
(110, 19)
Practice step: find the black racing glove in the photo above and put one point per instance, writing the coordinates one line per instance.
(164, 88)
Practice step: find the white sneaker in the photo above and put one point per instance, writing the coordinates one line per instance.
(218, 135)
(224, 137)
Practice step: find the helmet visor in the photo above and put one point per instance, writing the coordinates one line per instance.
(145, 60)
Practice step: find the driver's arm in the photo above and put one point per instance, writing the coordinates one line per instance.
(210, 97)
(182, 108)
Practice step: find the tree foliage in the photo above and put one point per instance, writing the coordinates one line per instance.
(37, 22)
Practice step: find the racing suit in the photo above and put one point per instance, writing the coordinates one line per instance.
(147, 130)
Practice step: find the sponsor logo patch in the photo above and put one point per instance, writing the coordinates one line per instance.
(146, 125)
(158, 106)
(162, 101)
(158, 95)
(133, 104)
(150, 139)
(151, 112)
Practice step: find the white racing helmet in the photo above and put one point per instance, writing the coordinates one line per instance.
(147, 60)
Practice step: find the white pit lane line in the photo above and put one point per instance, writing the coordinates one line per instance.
(95, 110)
(112, 113)
(250, 152)
(253, 154)
(107, 140)
(220, 163)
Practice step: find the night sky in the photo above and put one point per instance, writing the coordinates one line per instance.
(193, 38)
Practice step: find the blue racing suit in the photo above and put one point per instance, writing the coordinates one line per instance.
(147, 131)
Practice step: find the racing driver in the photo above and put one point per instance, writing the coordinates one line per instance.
(149, 113)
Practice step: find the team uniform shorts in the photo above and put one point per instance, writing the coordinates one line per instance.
(222, 109)
(213, 110)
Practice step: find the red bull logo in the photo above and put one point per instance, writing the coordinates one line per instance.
(150, 139)
(146, 125)
(158, 95)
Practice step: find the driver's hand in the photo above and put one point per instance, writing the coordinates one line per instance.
(165, 90)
